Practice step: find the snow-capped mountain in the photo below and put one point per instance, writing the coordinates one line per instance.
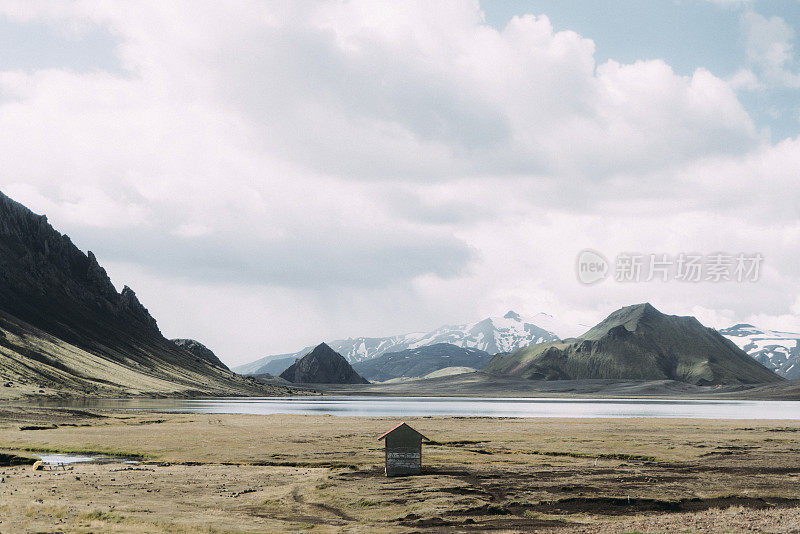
(493, 334)
(779, 351)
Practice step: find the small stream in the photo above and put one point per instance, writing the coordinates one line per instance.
(66, 459)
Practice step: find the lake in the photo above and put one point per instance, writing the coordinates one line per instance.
(363, 406)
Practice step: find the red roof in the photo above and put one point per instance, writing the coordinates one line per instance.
(398, 426)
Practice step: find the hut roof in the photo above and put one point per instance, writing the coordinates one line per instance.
(400, 426)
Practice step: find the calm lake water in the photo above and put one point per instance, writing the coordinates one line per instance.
(460, 406)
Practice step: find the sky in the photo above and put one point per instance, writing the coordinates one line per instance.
(268, 175)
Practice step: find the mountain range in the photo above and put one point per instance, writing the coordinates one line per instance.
(638, 342)
(65, 330)
(493, 334)
(779, 351)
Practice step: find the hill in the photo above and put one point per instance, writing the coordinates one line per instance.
(778, 351)
(421, 361)
(323, 365)
(200, 350)
(64, 328)
(638, 343)
(492, 335)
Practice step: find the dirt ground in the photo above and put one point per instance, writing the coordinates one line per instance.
(276, 473)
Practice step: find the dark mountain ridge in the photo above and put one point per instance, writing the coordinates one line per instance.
(63, 323)
(638, 343)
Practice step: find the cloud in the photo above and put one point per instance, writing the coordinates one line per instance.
(392, 93)
(745, 79)
(770, 48)
(345, 256)
(404, 103)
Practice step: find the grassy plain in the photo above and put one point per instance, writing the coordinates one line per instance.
(248, 473)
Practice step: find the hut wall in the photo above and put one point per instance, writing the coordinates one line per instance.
(403, 454)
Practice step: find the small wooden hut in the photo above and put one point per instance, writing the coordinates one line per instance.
(403, 450)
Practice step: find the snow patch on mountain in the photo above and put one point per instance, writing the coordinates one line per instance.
(779, 351)
(493, 335)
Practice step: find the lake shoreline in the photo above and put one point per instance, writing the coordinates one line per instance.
(475, 385)
(431, 406)
(480, 384)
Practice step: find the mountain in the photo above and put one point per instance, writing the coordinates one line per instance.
(778, 351)
(421, 361)
(323, 365)
(492, 335)
(200, 351)
(64, 328)
(639, 343)
(276, 367)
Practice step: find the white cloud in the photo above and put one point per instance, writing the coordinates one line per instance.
(746, 80)
(770, 49)
(351, 168)
(782, 322)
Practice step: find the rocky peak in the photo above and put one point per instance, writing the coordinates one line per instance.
(130, 303)
(41, 267)
(97, 277)
(323, 365)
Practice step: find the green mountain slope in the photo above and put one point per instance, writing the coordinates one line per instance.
(638, 343)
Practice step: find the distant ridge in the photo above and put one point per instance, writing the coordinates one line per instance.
(421, 361)
(323, 365)
(493, 334)
(638, 343)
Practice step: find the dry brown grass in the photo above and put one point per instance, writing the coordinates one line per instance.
(211, 473)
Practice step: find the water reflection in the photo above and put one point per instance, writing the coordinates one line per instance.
(457, 406)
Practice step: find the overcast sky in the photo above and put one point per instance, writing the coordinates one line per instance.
(269, 175)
